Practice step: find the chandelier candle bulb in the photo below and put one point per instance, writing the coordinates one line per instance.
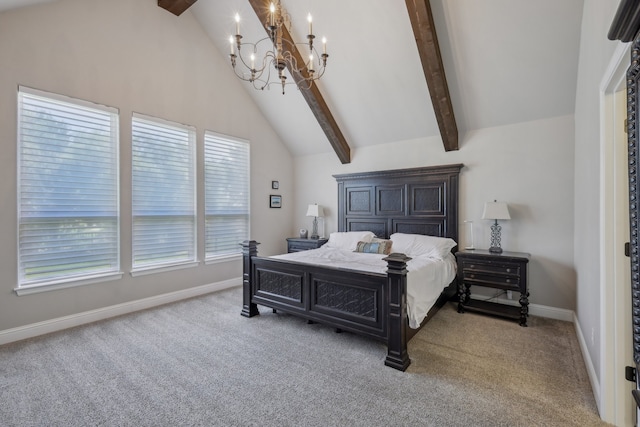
(272, 11)
(282, 52)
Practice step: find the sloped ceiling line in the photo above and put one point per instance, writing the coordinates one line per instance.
(424, 31)
(312, 96)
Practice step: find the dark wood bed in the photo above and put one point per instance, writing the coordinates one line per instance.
(415, 201)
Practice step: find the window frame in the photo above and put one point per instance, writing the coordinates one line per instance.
(152, 268)
(218, 257)
(25, 287)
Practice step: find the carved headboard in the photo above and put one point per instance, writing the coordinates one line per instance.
(417, 201)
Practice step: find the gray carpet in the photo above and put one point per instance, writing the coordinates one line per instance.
(199, 363)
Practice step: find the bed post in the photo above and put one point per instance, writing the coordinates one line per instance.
(397, 356)
(249, 249)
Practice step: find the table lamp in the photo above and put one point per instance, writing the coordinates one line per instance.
(494, 211)
(315, 211)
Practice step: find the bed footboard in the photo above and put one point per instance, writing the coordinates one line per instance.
(369, 304)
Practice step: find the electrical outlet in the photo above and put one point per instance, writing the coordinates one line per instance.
(509, 294)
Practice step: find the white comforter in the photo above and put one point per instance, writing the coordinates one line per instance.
(426, 277)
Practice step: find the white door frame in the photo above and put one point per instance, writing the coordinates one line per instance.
(614, 397)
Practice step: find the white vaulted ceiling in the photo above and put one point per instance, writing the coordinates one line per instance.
(506, 61)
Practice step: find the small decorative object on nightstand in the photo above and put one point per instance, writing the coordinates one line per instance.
(295, 244)
(469, 226)
(495, 210)
(506, 271)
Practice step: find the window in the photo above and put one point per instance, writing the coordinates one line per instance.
(164, 193)
(226, 184)
(67, 191)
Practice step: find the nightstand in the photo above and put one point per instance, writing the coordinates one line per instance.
(295, 244)
(506, 271)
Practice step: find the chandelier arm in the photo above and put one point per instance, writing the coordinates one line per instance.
(253, 49)
(322, 58)
(296, 57)
(303, 61)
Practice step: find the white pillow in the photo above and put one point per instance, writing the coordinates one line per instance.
(402, 243)
(348, 239)
(420, 245)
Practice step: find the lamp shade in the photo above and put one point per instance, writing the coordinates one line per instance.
(495, 210)
(315, 210)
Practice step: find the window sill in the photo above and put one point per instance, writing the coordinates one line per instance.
(67, 283)
(161, 269)
(222, 258)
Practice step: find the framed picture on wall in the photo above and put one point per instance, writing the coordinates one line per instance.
(275, 185)
(275, 201)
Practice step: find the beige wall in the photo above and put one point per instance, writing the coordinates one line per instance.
(136, 57)
(528, 165)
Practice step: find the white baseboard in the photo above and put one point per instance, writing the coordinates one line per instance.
(535, 309)
(593, 378)
(60, 323)
(53, 325)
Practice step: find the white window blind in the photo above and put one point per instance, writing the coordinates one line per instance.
(67, 189)
(226, 194)
(164, 193)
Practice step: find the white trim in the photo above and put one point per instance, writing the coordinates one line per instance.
(591, 371)
(49, 96)
(222, 258)
(160, 124)
(66, 283)
(552, 312)
(606, 402)
(210, 138)
(163, 268)
(53, 325)
(230, 138)
(609, 391)
(27, 94)
(614, 76)
(164, 122)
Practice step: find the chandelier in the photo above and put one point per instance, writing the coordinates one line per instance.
(282, 52)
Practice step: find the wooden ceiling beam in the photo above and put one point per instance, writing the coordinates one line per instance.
(176, 6)
(312, 95)
(424, 32)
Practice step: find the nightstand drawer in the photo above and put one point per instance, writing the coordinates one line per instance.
(297, 245)
(480, 278)
(493, 268)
